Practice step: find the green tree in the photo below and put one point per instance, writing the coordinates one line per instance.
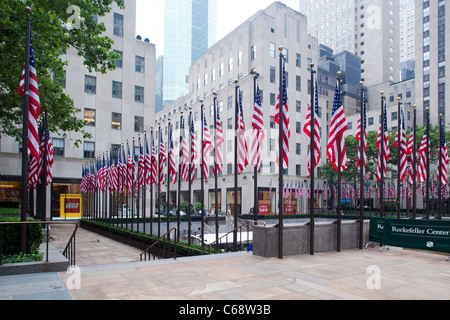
(51, 35)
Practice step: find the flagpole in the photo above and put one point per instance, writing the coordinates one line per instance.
(144, 191)
(414, 159)
(216, 195)
(189, 178)
(236, 91)
(179, 179)
(428, 164)
(280, 159)
(151, 180)
(399, 133)
(441, 132)
(361, 176)
(24, 205)
(202, 174)
(256, 199)
(339, 214)
(382, 157)
(312, 147)
(158, 192)
(168, 173)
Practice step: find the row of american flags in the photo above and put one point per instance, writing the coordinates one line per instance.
(119, 172)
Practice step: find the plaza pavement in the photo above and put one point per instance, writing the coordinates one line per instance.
(111, 271)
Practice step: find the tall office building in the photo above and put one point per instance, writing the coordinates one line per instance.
(368, 28)
(432, 52)
(189, 30)
(116, 107)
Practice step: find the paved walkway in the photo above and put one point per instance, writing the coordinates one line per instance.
(109, 270)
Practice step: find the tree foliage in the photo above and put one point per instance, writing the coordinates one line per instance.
(51, 35)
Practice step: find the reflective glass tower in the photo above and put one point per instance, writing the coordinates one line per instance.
(189, 30)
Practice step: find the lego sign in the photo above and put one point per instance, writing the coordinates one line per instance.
(71, 206)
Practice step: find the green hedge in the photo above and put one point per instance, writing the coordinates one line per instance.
(183, 248)
(11, 237)
(9, 212)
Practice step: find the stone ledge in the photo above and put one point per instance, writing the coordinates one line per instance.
(57, 263)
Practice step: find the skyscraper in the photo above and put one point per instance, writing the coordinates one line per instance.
(189, 30)
(368, 28)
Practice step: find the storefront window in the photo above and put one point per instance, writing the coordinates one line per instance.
(67, 201)
(10, 194)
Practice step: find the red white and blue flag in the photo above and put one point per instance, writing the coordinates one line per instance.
(316, 131)
(242, 148)
(207, 145)
(383, 131)
(194, 151)
(286, 122)
(258, 130)
(219, 141)
(403, 161)
(172, 164)
(443, 159)
(362, 155)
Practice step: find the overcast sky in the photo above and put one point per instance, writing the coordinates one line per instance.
(230, 14)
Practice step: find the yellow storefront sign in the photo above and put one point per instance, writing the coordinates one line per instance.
(71, 206)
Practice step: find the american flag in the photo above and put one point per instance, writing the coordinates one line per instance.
(148, 164)
(119, 170)
(32, 173)
(130, 171)
(444, 160)
(286, 124)
(403, 161)
(242, 148)
(422, 174)
(194, 151)
(258, 130)
(219, 141)
(50, 159)
(113, 175)
(338, 127)
(154, 163)
(162, 158)
(141, 165)
(103, 174)
(362, 155)
(34, 108)
(172, 164)
(307, 130)
(387, 154)
(83, 186)
(206, 146)
(184, 153)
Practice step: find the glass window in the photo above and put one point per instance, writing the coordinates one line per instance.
(138, 124)
(118, 25)
(272, 50)
(117, 89)
(90, 84)
(58, 147)
(89, 150)
(116, 121)
(140, 64)
(89, 117)
(119, 60)
(139, 94)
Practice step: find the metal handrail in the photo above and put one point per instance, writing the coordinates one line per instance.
(69, 251)
(232, 231)
(163, 237)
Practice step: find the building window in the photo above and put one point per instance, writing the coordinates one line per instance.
(272, 75)
(298, 83)
(298, 170)
(272, 50)
(253, 52)
(230, 64)
(58, 147)
(138, 124)
(116, 121)
(298, 106)
(298, 149)
(117, 89)
(140, 64)
(119, 60)
(89, 150)
(298, 127)
(118, 25)
(298, 60)
(139, 94)
(89, 117)
(90, 84)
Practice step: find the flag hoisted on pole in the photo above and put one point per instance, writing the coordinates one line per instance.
(242, 147)
(383, 131)
(194, 152)
(207, 145)
(258, 130)
(148, 164)
(172, 164)
(219, 141)
(162, 158)
(423, 165)
(154, 162)
(308, 128)
(286, 122)
(362, 155)
(443, 158)
(338, 127)
(403, 160)
(184, 153)
(34, 108)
